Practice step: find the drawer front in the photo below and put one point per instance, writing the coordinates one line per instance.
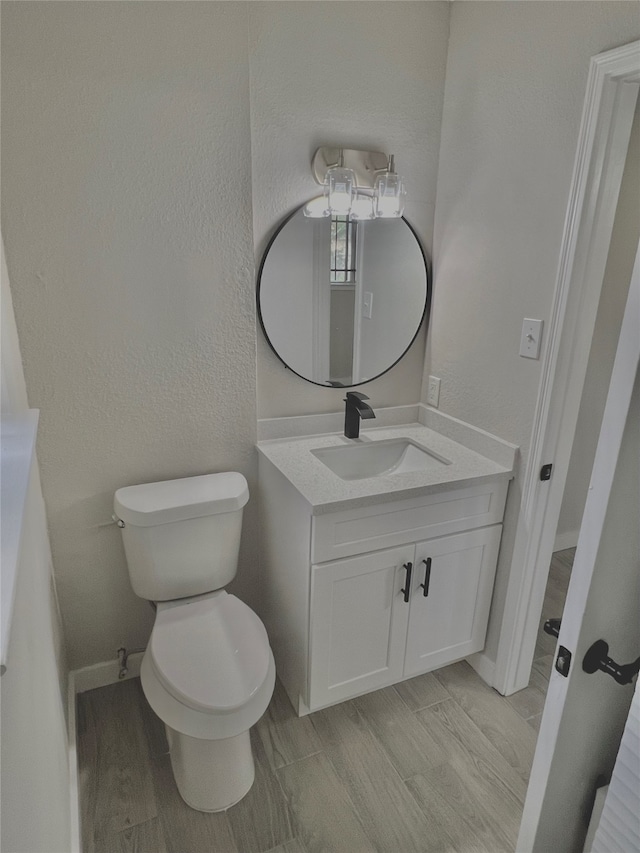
(371, 528)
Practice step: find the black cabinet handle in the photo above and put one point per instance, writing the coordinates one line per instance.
(407, 587)
(597, 658)
(427, 577)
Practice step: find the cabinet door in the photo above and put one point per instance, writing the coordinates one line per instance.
(448, 620)
(358, 625)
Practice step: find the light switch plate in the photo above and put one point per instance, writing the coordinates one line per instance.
(531, 338)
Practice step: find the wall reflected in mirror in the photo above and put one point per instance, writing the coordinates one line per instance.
(341, 300)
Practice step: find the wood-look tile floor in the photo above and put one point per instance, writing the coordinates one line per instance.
(437, 764)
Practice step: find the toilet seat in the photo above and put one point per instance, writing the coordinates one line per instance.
(210, 652)
(208, 671)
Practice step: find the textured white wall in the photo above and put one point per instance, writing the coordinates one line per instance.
(126, 215)
(126, 212)
(615, 288)
(515, 85)
(126, 202)
(358, 74)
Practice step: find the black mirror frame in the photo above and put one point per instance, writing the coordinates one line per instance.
(426, 313)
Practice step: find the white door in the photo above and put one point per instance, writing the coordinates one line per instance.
(452, 586)
(584, 714)
(358, 624)
(616, 826)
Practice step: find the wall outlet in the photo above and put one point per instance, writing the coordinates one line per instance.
(433, 391)
(530, 338)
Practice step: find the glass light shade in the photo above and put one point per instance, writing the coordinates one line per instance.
(362, 207)
(317, 208)
(389, 195)
(341, 184)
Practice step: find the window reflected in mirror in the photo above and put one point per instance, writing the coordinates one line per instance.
(343, 250)
(342, 279)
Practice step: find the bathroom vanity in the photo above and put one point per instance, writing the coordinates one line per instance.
(375, 571)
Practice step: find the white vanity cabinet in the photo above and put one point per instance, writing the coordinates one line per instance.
(372, 624)
(334, 596)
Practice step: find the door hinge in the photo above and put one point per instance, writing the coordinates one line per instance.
(552, 627)
(545, 471)
(563, 661)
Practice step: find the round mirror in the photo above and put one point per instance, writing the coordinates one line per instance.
(341, 300)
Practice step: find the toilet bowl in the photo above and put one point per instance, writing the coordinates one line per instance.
(209, 674)
(208, 671)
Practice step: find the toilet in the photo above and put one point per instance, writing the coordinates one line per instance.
(208, 671)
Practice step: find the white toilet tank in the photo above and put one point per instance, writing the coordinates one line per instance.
(182, 537)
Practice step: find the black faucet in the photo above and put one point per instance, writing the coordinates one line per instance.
(355, 409)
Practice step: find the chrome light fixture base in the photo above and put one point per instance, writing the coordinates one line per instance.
(366, 165)
(359, 184)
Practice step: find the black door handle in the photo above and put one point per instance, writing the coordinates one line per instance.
(407, 587)
(427, 577)
(597, 658)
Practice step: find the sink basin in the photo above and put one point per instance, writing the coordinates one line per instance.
(391, 456)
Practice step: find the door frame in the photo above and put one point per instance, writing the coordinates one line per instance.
(605, 466)
(608, 112)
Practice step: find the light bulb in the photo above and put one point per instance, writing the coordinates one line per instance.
(340, 183)
(362, 207)
(389, 195)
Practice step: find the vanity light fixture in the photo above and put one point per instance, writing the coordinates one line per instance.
(341, 184)
(359, 184)
(389, 193)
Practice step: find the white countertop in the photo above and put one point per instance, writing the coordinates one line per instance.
(327, 492)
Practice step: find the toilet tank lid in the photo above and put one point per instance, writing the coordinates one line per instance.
(176, 500)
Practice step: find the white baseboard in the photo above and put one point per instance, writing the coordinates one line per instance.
(569, 539)
(102, 674)
(484, 666)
